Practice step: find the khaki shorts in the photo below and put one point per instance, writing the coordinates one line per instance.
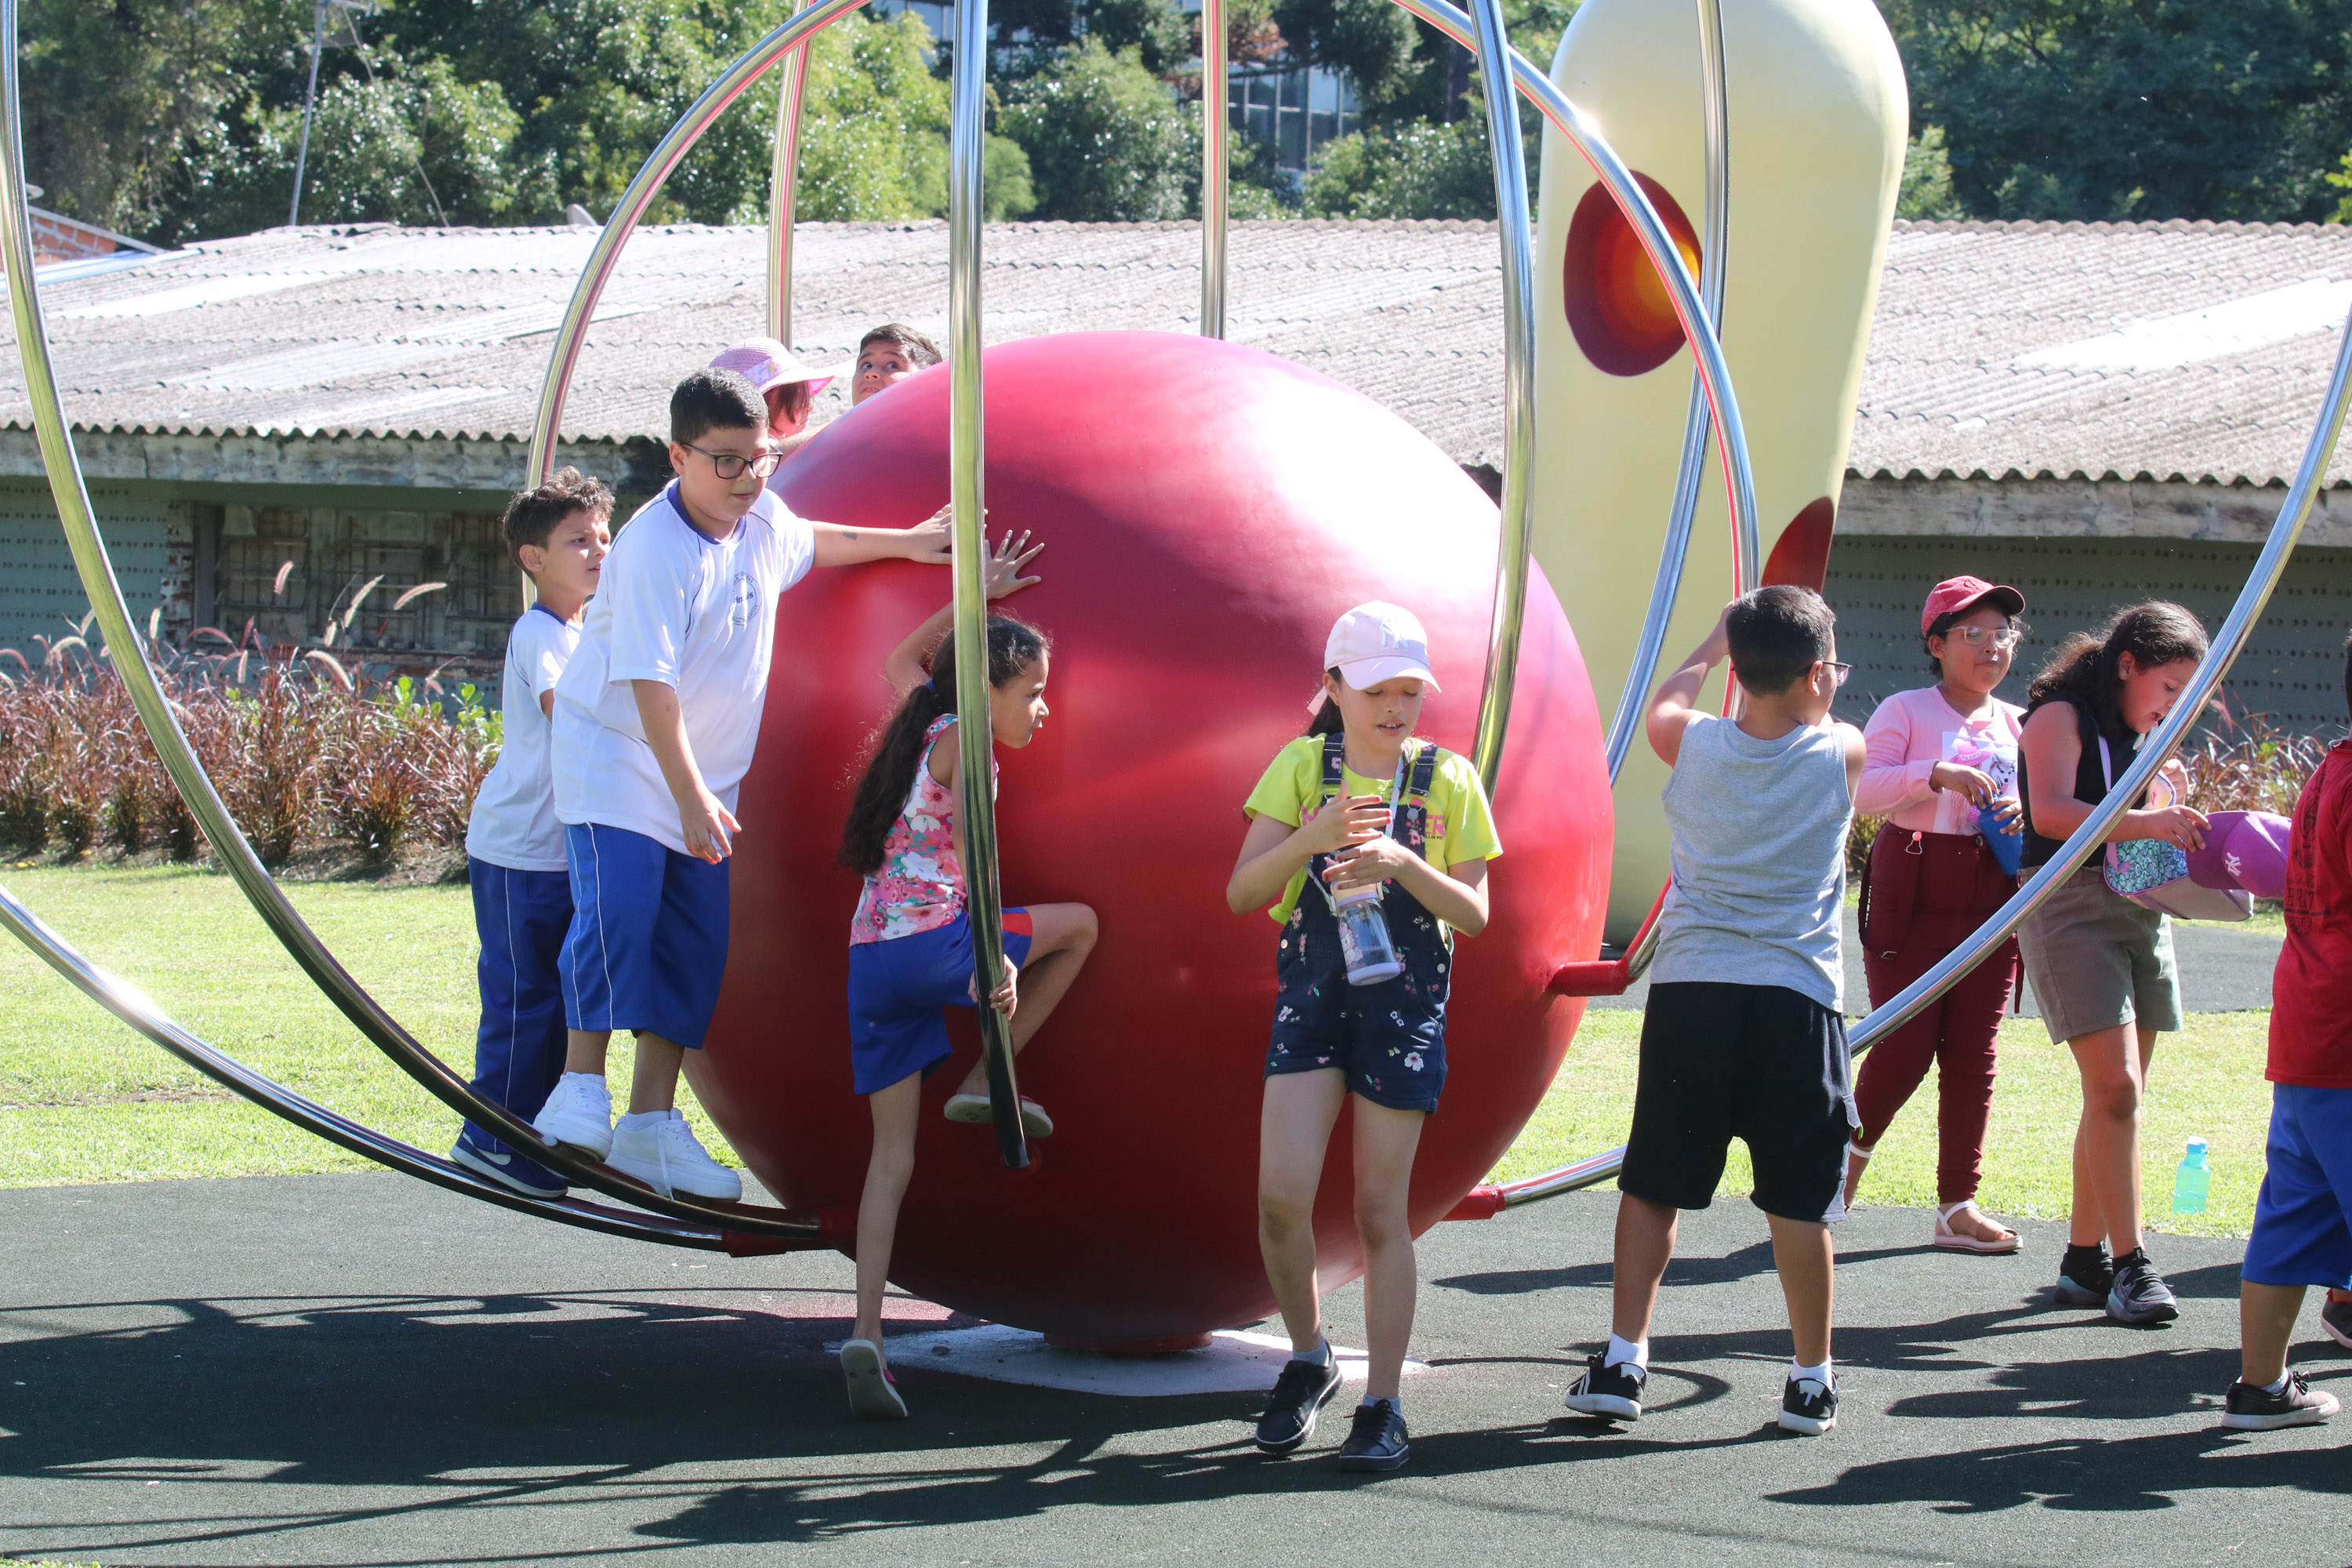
(2096, 961)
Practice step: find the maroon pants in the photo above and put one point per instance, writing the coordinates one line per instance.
(1953, 884)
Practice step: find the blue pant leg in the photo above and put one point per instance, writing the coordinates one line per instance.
(521, 918)
(688, 948)
(608, 957)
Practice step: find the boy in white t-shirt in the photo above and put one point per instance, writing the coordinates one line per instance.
(654, 724)
(558, 532)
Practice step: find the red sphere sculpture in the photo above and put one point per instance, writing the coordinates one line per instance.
(1208, 511)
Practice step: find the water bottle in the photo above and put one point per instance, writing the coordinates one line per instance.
(1364, 936)
(2192, 1182)
(2008, 848)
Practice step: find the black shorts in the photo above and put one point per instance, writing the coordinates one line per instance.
(1760, 1063)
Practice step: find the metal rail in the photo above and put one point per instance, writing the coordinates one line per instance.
(1514, 229)
(124, 647)
(783, 175)
(1215, 136)
(1747, 556)
(126, 1002)
(967, 443)
(2091, 836)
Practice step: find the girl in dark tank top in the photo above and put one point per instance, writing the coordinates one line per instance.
(2090, 778)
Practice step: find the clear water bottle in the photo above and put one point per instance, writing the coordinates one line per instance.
(1364, 936)
(2192, 1181)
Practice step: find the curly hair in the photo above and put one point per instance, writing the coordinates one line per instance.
(533, 513)
(2088, 666)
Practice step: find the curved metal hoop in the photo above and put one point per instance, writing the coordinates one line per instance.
(129, 656)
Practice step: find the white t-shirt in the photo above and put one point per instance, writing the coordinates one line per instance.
(696, 614)
(514, 823)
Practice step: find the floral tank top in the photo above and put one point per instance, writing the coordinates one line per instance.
(920, 886)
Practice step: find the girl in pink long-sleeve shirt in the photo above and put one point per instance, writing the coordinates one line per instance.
(1938, 754)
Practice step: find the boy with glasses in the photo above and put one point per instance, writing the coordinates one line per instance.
(656, 720)
(1744, 1035)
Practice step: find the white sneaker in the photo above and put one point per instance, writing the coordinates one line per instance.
(578, 1114)
(659, 1149)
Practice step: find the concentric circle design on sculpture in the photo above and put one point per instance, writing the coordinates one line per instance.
(1617, 305)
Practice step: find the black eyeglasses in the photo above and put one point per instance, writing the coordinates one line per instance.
(731, 466)
(1843, 672)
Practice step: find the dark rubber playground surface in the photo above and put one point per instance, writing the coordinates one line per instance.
(359, 1369)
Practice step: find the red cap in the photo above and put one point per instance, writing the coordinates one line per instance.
(1954, 595)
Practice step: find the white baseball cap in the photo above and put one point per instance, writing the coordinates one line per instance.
(767, 364)
(1377, 642)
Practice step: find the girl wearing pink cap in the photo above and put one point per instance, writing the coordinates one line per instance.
(1938, 757)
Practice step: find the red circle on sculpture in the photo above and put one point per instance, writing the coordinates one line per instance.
(1208, 511)
(1617, 305)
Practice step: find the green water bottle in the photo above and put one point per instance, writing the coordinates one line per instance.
(2192, 1182)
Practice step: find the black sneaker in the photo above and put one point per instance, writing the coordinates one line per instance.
(1304, 1388)
(2335, 1322)
(2085, 1275)
(1612, 1392)
(1377, 1441)
(2250, 1408)
(2139, 1295)
(1808, 1407)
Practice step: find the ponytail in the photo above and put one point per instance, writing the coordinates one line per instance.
(2087, 667)
(1326, 720)
(1012, 646)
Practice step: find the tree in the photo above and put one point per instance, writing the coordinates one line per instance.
(1107, 140)
(1415, 170)
(1927, 190)
(2132, 109)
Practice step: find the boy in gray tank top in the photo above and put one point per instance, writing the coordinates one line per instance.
(1744, 1035)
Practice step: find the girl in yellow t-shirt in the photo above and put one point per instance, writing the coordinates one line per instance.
(1356, 803)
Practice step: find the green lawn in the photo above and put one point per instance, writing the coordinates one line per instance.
(82, 1098)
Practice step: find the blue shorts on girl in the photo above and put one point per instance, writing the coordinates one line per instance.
(897, 989)
(647, 946)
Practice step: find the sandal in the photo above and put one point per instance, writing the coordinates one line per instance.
(873, 1391)
(975, 1109)
(1953, 1241)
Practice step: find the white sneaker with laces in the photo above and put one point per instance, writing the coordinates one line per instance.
(578, 1114)
(659, 1149)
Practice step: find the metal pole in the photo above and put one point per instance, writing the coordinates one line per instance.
(571, 335)
(1215, 136)
(1747, 562)
(128, 653)
(967, 447)
(2091, 836)
(782, 179)
(1516, 232)
(309, 106)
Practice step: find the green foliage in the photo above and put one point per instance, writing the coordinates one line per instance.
(1926, 191)
(874, 125)
(2133, 109)
(1415, 170)
(1105, 140)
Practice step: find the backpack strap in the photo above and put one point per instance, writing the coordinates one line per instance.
(1335, 754)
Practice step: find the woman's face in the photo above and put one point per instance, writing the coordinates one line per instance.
(1974, 652)
(2149, 692)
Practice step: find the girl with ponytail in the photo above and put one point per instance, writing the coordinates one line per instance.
(2101, 966)
(910, 952)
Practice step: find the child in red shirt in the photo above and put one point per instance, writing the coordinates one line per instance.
(2303, 1220)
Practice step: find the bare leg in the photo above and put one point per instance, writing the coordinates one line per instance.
(2266, 1315)
(653, 1085)
(891, 1167)
(1294, 1129)
(584, 1050)
(1806, 1260)
(1385, 1142)
(1645, 1245)
(2113, 1067)
(1062, 936)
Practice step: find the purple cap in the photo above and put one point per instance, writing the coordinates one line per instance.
(2244, 849)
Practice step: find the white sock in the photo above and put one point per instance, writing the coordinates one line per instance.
(641, 1118)
(1396, 1400)
(1621, 1350)
(595, 1078)
(2278, 1387)
(1820, 1374)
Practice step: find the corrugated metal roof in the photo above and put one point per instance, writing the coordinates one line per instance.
(2166, 350)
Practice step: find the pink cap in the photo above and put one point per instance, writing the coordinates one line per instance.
(767, 364)
(1954, 593)
(2244, 849)
(1376, 642)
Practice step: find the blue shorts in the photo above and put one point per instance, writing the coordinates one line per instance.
(2302, 1232)
(647, 946)
(1387, 1040)
(521, 918)
(897, 989)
